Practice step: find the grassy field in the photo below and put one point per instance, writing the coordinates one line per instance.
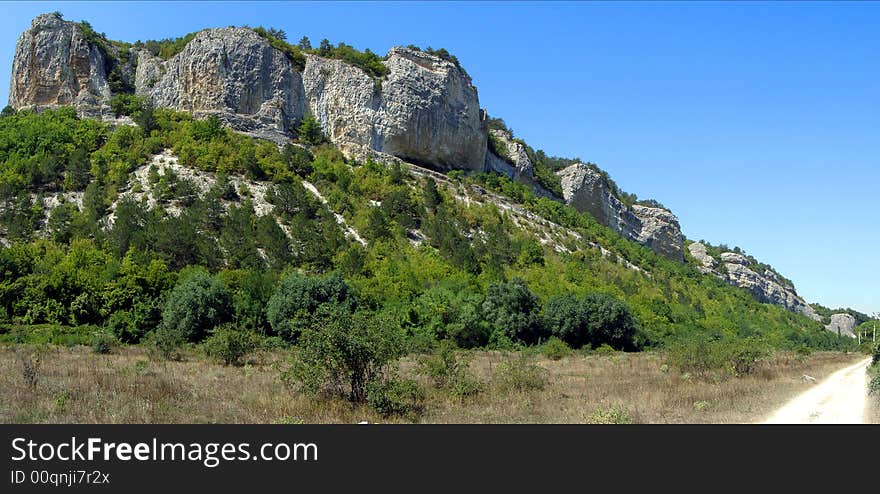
(74, 385)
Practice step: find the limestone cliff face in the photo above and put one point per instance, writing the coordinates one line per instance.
(660, 231)
(587, 190)
(231, 72)
(425, 110)
(55, 65)
(513, 162)
(842, 324)
(345, 100)
(766, 287)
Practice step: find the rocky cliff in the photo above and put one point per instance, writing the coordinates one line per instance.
(55, 64)
(585, 189)
(738, 270)
(425, 110)
(231, 72)
(512, 160)
(842, 324)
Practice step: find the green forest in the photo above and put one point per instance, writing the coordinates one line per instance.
(116, 268)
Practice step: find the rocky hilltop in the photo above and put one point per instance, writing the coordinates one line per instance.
(55, 64)
(584, 188)
(765, 286)
(423, 109)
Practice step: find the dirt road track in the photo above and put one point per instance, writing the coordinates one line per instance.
(839, 399)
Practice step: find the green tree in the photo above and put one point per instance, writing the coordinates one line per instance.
(344, 352)
(292, 307)
(197, 304)
(309, 131)
(513, 312)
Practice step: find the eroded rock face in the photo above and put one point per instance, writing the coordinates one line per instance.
(55, 65)
(842, 324)
(765, 287)
(706, 262)
(430, 112)
(660, 231)
(231, 72)
(345, 100)
(587, 190)
(515, 162)
(425, 110)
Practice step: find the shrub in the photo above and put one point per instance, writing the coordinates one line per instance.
(309, 131)
(165, 342)
(230, 345)
(519, 374)
(512, 310)
(395, 397)
(341, 352)
(103, 341)
(298, 298)
(743, 356)
(555, 349)
(448, 371)
(605, 349)
(197, 304)
(701, 356)
(596, 319)
(610, 415)
(875, 354)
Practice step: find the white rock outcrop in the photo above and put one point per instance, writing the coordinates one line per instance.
(56, 65)
(842, 324)
(585, 189)
(765, 287)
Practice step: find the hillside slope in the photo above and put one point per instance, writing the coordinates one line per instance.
(154, 178)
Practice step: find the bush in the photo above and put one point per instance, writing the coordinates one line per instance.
(743, 356)
(512, 310)
(165, 342)
(309, 131)
(701, 356)
(230, 345)
(395, 397)
(447, 371)
(519, 374)
(197, 304)
(875, 354)
(103, 341)
(596, 319)
(299, 297)
(555, 349)
(341, 352)
(611, 415)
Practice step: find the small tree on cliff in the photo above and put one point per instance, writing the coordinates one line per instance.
(310, 131)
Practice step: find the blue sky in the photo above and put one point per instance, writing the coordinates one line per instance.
(756, 123)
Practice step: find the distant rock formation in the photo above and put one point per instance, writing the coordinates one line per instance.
(842, 324)
(513, 162)
(766, 287)
(425, 110)
(231, 72)
(587, 190)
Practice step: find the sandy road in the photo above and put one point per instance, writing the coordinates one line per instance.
(839, 399)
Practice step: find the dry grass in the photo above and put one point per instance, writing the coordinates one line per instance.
(74, 385)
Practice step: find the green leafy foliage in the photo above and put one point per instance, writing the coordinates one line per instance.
(229, 344)
(197, 304)
(292, 308)
(342, 352)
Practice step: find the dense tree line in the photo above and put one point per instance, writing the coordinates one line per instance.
(434, 268)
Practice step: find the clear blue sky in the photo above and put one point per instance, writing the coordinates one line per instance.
(758, 124)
